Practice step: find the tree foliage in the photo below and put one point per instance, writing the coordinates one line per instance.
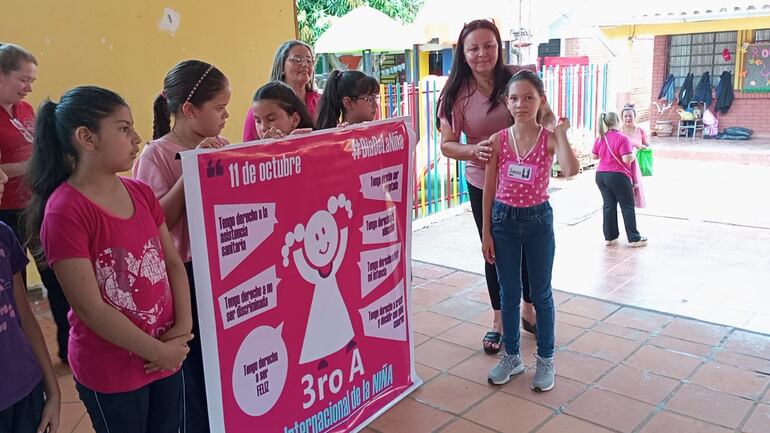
(314, 16)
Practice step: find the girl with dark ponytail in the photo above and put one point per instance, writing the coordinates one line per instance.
(105, 238)
(349, 97)
(195, 94)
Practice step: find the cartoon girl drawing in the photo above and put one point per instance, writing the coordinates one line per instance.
(329, 328)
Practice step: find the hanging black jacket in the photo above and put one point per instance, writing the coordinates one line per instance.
(667, 89)
(724, 92)
(685, 92)
(703, 90)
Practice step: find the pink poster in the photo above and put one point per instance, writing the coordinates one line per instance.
(301, 251)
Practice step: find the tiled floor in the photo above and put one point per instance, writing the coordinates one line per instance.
(706, 259)
(620, 369)
(632, 354)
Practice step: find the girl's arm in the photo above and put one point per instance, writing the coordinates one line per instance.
(643, 133)
(172, 202)
(14, 169)
(559, 144)
(625, 143)
(78, 281)
(548, 119)
(490, 187)
(50, 418)
(180, 287)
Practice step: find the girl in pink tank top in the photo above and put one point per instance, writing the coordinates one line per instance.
(523, 177)
(517, 218)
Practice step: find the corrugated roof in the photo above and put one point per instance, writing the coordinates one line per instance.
(667, 11)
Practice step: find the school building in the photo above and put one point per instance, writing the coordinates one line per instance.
(699, 38)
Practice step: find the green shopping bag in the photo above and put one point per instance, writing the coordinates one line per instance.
(644, 156)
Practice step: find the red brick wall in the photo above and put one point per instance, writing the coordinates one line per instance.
(750, 110)
(641, 69)
(591, 47)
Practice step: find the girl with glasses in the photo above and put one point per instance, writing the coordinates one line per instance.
(349, 97)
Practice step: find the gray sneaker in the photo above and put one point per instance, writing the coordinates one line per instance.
(509, 365)
(545, 375)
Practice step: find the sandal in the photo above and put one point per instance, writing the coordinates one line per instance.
(492, 342)
(529, 326)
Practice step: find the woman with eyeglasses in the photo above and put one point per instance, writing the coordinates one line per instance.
(294, 64)
(18, 71)
(349, 97)
(472, 103)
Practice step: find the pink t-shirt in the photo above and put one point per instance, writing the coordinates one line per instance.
(158, 167)
(16, 131)
(522, 180)
(620, 146)
(250, 129)
(130, 269)
(471, 116)
(638, 138)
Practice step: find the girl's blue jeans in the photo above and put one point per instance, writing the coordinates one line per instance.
(527, 229)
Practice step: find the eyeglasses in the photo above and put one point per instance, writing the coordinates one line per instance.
(372, 99)
(298, 60)
(24, 131)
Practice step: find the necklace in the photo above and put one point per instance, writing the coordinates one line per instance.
(26, 133)
(177, 136)
(519, 157)
(486, 91)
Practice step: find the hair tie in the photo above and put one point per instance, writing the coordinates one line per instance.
(163, 94)
(629, 107)
(195, 87)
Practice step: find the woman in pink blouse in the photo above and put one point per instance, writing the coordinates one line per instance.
(636, 135)
(294, 64)
(472, 103)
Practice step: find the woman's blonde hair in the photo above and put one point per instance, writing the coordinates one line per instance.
(607, 121)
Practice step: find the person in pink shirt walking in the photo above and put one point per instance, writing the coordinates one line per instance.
(615, 179)
(636, 134)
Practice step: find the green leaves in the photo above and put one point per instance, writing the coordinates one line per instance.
(314, 16)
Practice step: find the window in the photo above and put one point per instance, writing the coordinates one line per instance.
(762, 35)
(699, 53)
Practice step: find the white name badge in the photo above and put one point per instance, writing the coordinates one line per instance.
(522, 173)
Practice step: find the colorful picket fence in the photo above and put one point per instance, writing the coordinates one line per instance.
(578, 93)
